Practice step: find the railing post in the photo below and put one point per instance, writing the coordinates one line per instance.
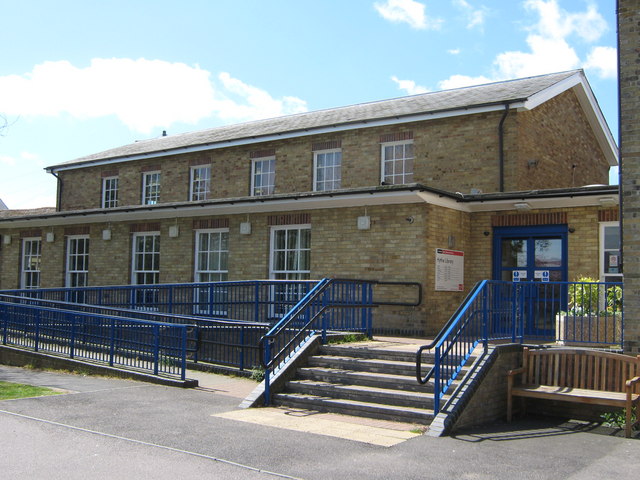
(156, 348)
(5, 318)
(436, 382)
(256, 302)
(72, 346)
(183, 372)
(242, 347)
(37, 325)
(267, 379)
(324, 317)
(485, 316)
(112, 346)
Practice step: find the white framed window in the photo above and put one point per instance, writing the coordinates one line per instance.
(397, 162)
(145, 268)
(77, 270)
(290, 253)
(31, 260)
(212, 265)
(212, 255)
(200, 183)
(110, 192)
(610, 255)
(327, 166)
(150, 188)
(263, 176)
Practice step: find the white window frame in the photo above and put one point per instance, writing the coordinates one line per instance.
(134, 256)
(303, 274)
(29, 259)
(222, 272)
(151, 181)
(196, 193)
(391, 179)
(334, 183)
(110, 192)
(257, 191)
(208, 301)
(74, 259)
(603, 250)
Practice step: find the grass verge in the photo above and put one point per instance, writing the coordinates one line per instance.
(10, 391)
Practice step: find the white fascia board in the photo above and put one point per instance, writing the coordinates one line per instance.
(590, 106)
(227, 208)
(288, 135)
(537, 203)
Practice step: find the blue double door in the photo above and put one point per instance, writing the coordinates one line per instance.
(533, 257)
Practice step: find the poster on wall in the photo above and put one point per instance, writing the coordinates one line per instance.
(449, 270)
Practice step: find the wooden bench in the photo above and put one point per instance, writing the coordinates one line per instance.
(578, 375)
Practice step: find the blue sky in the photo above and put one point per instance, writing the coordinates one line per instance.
(80, 77)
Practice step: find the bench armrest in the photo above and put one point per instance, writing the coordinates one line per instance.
(515, 371)
(632, 381)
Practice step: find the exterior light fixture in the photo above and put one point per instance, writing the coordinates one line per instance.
(174, 231)
(364, 222)
(608, 201)
(106, 234)
(522, 207)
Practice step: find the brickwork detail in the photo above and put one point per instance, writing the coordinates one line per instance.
(518, 220)
(291, 219)
(206, 223)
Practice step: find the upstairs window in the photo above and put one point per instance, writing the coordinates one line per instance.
(397, 163)
(263, 176)
(110, 192)
(327, 170)
(150, 188)
(200, 183)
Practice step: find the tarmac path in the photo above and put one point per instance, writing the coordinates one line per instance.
(106, 428)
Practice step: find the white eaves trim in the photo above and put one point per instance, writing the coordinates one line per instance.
(578, 82)
(358, 199)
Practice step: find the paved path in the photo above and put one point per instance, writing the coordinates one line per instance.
(104, 428)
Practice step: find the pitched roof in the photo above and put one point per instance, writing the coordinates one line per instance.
(464, 100)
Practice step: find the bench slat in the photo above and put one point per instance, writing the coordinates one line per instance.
(578, 395)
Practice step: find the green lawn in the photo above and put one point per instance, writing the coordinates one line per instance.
(17, 390)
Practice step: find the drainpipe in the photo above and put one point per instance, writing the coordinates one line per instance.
(58, 190)
(501, 145)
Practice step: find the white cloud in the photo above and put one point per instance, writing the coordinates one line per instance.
(604, 60)
(549, 47)
(408, 11)
(409, 86)
(454, 51)
(143, 94)
(475, 16)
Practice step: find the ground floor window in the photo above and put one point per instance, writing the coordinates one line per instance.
(145, 269)
(290, 259)
(610, 259)
(77, 274)
(31, 260)
(291, 252)
(211, 265)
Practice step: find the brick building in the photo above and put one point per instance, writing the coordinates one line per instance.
(629, 56)
(443, 189)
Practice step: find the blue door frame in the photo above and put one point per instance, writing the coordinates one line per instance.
(533, 256)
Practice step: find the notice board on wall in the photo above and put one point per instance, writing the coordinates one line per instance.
(449, 270)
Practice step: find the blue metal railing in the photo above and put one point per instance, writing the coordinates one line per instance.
(254, 300)
(333, 304)
(155, 347)
(564, 312)
(217, 341)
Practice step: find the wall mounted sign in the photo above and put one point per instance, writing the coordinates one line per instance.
(449, 270)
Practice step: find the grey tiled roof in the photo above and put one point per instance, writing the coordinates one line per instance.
(489, 94)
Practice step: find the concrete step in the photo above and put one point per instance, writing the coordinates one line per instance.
(364, 364)
(361, 393)
(363, 378)
(344, 350)
(353, 407)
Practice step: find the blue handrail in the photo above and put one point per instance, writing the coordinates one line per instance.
(565, 312)
(316, 312)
